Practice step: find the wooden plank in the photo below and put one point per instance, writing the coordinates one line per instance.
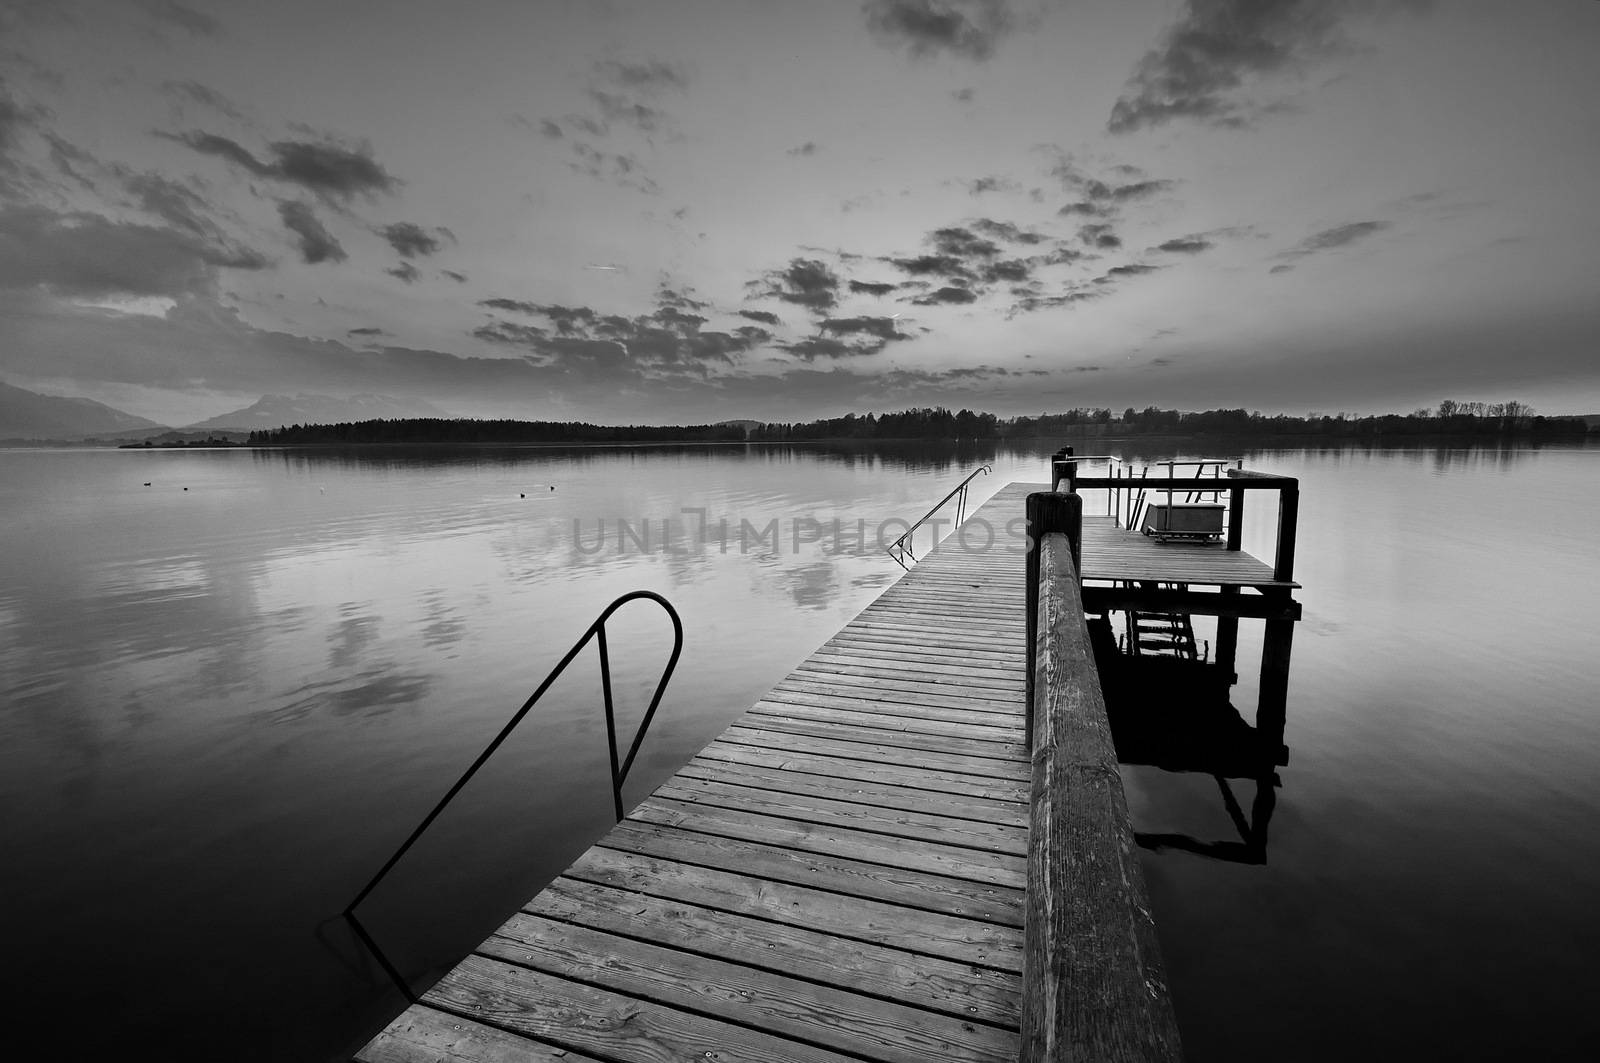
(874, 791)
(940, 673)
(980, 771)
(911, 910)
(997, 869)
(889, 699)
(793, 706)
(427, 1035)
(917, 781)
(961, 832)
(612, 1025)
(980, 994)
(749, 996)
(1008, 751)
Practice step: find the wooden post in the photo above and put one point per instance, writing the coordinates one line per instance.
(1236, 518)
(1046, 513)
(1273, 699)
(1093, 982)
(1288, 525)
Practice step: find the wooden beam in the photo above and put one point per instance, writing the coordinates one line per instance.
(1200, 603)
(1094, 986)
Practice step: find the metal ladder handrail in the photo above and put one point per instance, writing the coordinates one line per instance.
(619, 772)
(903, 544)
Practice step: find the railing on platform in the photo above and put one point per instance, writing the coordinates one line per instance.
(1093, 983)
(619, 769)
(901, 548)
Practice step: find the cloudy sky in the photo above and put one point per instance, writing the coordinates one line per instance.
(675, 210)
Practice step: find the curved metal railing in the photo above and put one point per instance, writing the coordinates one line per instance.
(901, 548)
(619, 769)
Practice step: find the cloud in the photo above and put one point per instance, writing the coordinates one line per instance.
(931, 265)
(550, 129)
(366, 331)
(1099, 236)
(81, 254)
(406, 272)
(177, 204)
(763, 316)
(1030, 303)
(969, 29)
(172, 13)
(316, 243)
(982, 185)
(667, 343)
(650, 76)
(1334, 238)
(962, 242)
(946, 295)
(805, 282)
(459, 278)
(195, 92)
(1004, 230)
(962, 95)
(808, 148)
(884, 328)
(871, 288)
(1216, 48)
(331, 171)
(1013, 270)
(1187, 245)
(615, 107)
(1133, 270)
(621, 168)
(410, 240)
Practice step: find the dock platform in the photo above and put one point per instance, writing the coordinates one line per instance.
(840, 875)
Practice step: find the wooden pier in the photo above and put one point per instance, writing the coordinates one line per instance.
(846, 873)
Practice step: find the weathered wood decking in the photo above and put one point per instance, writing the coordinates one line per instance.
(839, 875)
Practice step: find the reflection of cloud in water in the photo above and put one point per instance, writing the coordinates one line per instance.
(351, 635)
(813, 586)
(371, 690)
(441, 626)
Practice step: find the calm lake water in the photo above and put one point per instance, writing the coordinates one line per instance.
(232, 681)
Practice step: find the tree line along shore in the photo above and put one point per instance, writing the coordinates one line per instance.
(1448, 419)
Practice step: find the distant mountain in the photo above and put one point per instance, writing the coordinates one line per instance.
(29, 415)
(276, 411)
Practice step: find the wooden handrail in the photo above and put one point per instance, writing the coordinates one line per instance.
(1093, 982)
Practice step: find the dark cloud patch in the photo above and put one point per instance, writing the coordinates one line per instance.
(1216, 48)
(411, 240)
(1083, 208)
(930, 265)
(620, 168)
(984, 185)
(616, 107)
(947, 295)
(969, 29)
(405, 271)
(805, 282)
(205, 96)
(1137, 269)
(171, 13)
(669, 342)
(368, 330)
(962, 243)
(314, 241)
(813, 347)
(1068, 298)
(1139, 190)
(871, 288)
(333, 172)
(1013, 271)
(884, 328)
(649, 76)
(550, 129)
(89, 256)
(459, 278)
(176, 204)
(1004, 230)
(1186, 245)
(962, 95)
(764, 316)
(1334, 238)
(808, 148)
(1099, 236)
(1280, 269)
